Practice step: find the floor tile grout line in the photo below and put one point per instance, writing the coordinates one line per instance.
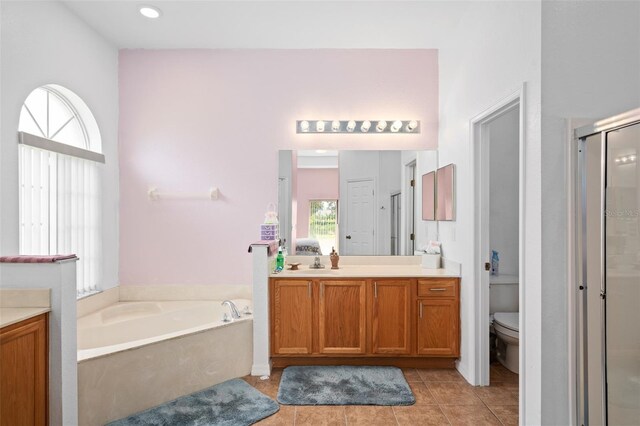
(393, 410)
(494, 414)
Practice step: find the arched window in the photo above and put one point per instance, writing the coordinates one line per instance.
(60, 168)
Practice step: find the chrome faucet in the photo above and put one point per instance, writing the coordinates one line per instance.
(234, 310)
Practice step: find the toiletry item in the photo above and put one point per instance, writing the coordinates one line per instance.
(495, 262)
(280, 260)
(333, 256)
(433, 247)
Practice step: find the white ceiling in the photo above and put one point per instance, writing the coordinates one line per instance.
(273, 24)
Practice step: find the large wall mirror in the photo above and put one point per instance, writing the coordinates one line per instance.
(360, 202)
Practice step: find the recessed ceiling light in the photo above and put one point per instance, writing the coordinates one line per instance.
(150, 12)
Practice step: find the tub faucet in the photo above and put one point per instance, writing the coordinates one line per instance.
(234, 310)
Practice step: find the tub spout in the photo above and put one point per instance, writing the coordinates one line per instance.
(234, 310)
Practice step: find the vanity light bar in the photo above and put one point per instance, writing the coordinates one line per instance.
(357, 126)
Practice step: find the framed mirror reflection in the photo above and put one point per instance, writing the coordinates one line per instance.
(360, 202)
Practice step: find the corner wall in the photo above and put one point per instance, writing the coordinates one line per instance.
(590, 70)
(495, 49)
(44, 43)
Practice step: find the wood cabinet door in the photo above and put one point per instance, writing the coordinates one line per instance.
(438, 327)
(24, 373)
(292, 324)
(342, 317)
(390, 325)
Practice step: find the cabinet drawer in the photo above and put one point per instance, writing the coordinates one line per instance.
(445, 287)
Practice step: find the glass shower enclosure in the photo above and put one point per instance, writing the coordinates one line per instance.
(608, 271)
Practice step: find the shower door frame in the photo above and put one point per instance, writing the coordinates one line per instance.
(578, 297)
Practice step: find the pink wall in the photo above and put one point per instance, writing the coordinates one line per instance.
(192, 119)
(314, 184)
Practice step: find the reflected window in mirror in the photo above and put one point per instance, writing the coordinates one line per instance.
(323, 226)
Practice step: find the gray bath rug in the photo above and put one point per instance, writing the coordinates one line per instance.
(344, 385)
(232, 403)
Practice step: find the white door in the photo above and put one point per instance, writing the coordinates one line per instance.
(359, 229)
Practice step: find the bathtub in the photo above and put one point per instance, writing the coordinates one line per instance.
(136, 355)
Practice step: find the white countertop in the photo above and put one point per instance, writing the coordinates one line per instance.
(10, 316)
(366, 271)
(19, 304)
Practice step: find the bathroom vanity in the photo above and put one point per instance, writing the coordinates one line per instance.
(399, 315)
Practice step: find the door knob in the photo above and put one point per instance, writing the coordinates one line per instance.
(348, 237)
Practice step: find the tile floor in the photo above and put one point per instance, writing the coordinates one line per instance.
(443, 397)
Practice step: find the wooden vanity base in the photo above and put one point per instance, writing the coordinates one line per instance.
(405, 362)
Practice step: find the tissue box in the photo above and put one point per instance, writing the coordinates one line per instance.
(269, 231)
(431, 261)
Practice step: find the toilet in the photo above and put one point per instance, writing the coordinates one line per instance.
(505, 325)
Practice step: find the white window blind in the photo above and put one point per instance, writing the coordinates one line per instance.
(59, 210)
(59, 178)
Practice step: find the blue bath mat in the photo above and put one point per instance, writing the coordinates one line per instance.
(232, 403)
(344, 385)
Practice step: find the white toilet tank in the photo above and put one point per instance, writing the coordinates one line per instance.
(504, 293)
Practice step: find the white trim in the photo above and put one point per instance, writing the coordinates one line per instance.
(572, 302)
(58, 147)
(480, 321)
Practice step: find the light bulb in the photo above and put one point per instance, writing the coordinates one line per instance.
(396, 126)
(304, 126)
(365, 126)
(632, 158)
(617, 160)
(320, 126)
(149, 12)
(412, 125)
(624, 159)
(351, 126)
(335, 125)
(381, 126)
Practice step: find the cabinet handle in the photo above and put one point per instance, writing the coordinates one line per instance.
(437, 289)
(375, 289)
(309, 288)
(322, 289)
(420, 309)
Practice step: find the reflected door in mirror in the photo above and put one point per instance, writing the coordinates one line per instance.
(429, 196)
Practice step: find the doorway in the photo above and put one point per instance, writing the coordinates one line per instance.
(606, 290)
(409, 189)
(510, 109)
(396, 223)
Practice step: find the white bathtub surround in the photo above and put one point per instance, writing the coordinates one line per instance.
(97, 301)
(126, 382)
(127, 325)
(145, 353)
(184, 292)
(60, 278)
